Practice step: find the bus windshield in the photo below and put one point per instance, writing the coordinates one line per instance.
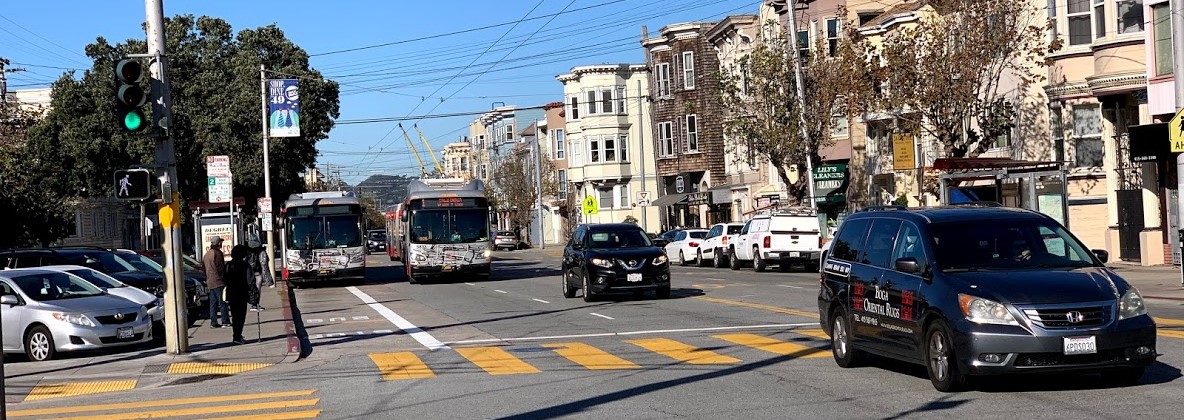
(453, 226)
(339, 231)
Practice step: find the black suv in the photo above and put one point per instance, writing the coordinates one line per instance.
(977, 291)
(613, 257)
(107, 261)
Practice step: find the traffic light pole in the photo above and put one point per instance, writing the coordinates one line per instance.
(175, 319)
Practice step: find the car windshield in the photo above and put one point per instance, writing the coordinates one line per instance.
(141, 262)
(380, 235)
(96, 278)
(1006, 244)
(55, 286)
(630, 238)
(698, 234)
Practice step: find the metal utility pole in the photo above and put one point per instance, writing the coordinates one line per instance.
(792, 34)
(538, 184)
(641, 140)
(1177, 13)
(266, 170)
(176, 324)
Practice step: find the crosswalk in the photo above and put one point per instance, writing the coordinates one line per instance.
(300, 404)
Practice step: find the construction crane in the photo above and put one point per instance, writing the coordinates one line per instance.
(429, 147)
(422, 169)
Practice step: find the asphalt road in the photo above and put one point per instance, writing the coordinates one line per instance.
(727, 344)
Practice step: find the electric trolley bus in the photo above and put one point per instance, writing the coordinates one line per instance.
(442, 228)
(322, 237)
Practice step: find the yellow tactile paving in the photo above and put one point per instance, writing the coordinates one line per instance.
(496, 361)
(683, 352)
(401, 365)
(591, 357)
(47, 391)
(777, 309)
(812, 333)
(156, 403)
(206, 368)
(773, 345)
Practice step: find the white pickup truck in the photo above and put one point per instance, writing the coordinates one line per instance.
(779, 238)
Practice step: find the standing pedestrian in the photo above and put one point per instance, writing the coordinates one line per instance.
(238, 280)
(214, 264)
(258, 268)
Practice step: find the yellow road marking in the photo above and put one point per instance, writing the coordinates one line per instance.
(156, 403)
(773, 346)
(496, 361)
(1170, 322)
(777, 309)
(286, 415)
(401, 365)
(1170, 333)
(683, 352)
(206, 368)
(590, 357)
(47, 391)
(812, 333)
(199, 410)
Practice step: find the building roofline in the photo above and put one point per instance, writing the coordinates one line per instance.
(733, 21)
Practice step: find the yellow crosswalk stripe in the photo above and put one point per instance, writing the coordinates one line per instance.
(287, 415)
(683, 352)
(496, 361)
(47, 391)
(1170, 333)
(1169, 322)
(193, 411)
(812, 333)
(773, 345)
(401, 365)
(590, 357)
(156, 403)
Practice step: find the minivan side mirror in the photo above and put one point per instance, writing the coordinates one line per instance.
(10, 300)
(906, 265)
(1102, 255)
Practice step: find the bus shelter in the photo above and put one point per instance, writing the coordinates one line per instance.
(1032, 185)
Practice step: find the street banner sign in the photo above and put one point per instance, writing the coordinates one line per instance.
(265, 205)
(590, 206)
(283, 114)
(1176, 132)
(643, 198)
(217, 166)
(133, 184)
(219, 189)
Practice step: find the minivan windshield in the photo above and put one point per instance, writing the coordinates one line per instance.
(1006, 244)
(626, 238)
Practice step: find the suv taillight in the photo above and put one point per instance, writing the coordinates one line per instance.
(768, 241)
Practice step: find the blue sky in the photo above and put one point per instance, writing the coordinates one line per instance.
(408, 78)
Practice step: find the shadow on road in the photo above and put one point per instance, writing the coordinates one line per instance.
(1157, 373)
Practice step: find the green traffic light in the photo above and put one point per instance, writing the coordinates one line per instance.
(133, 121)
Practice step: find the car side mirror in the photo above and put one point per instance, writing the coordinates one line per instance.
(906, 265)
(1102, 254)
(10, 300)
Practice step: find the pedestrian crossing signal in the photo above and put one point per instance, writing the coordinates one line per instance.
(133, 184)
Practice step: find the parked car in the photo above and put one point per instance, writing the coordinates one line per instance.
(46, 312)
(376, 240)
(970, 291)
(715, 245)
(782, 238)
(505, 239)
(613, 257)
(151, 303)
(685, 243)
(666, 237)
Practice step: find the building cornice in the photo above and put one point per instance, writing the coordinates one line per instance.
(1067, 90)
(1112, 83)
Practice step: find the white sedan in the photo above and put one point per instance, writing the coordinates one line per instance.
(685, 243)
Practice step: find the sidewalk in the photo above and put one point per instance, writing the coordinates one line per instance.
(271, 339)
(1155, 282)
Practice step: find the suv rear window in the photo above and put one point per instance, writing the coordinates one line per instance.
(849, 244)
(505, 233)
(734, 229)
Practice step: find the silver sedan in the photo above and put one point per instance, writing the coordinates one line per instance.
(46, 311)
(151, 303)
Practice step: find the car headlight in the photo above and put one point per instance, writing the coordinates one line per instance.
(601, 262)
(76, 319)
(1131, 305)
(985, 311)
(661, 260)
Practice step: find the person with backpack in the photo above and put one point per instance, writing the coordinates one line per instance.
(259, 274)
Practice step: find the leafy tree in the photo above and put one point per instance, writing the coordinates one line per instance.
(33, 213)
(214, 76)
(374, 218)
(514, 186)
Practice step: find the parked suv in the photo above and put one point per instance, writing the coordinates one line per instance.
(505, 239)
(970, 291)
(613, 257)
(782, 238)
(715, 245)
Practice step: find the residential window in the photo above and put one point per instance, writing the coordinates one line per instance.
(484, 171)
(1099, 18)
(1078, 15)
(591, 102)
(663, 79)
(1130, 16)
(610, 149)
(1162, 25)
(594, 149)
(1052, 20)
(838, 126)
(832, 36)
(621, 100)
(623, 147)
(1056, 133)
(606, 101)
(1003, 140)
(605, 194)
(562, 184)
(666, 139)
(1087, 136)
(692, 132)
(804, 44)
(577, 154)
(622, 192)
(559, 146)
(688, 70)
(573, 107)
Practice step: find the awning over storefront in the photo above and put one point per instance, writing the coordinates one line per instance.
(670, 199)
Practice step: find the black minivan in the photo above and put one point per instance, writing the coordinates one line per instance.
(972, 290)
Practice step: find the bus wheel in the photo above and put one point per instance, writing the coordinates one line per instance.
(411, 276)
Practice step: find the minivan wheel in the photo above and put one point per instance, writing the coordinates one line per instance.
(758, 263)
(846, 355)
(717, 261)
(941, 359)
(588, 296)
(39, 344)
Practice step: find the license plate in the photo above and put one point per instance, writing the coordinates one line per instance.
(1081, 345)
(633, 277)
(795, 254)
(448, 268)
(124, 333)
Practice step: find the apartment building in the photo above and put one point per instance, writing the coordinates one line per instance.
(562, 209)
(456, 160)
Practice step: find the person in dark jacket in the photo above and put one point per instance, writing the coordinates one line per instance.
(238, 278)
(258, 267)
(214, 264)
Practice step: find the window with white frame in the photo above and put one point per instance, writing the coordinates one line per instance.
(484, 171)
(1079, 28)
(1056, 133)
(1130, 16)
(804, 44)
(1099, 18)
(607, 149)
(1161, 25)
(577, 154)
(623, 147)
(692, 134)
(573, 107)
(688, 70)
(666, 139)
(593, 149)
(606, 100)
(621, 109)
(1052, 20)
(610, 148)
(591, 97)
(1087, 136)
(559, 143)
(838, 126)
(832, 37)
(562, 184)
(663, 80)
(622, 201)
(605, 194)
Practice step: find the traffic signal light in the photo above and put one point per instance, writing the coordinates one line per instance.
(133, 184)
(129, 97)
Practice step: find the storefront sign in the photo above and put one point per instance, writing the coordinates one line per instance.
(698, 198)
(830, 183)
(903, 156)
(1149, 142)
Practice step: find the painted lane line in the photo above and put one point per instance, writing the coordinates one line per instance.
(470, 284)
(384, 332)
(314, 321)
(714, 279)
(401, 323)
(628, 333)
(791, 287)
(602, 316)
(337, 319)
(501, 291)
(540, 300)
(361, 318)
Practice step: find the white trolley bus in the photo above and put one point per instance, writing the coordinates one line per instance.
(323, 237)
(443, 228)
